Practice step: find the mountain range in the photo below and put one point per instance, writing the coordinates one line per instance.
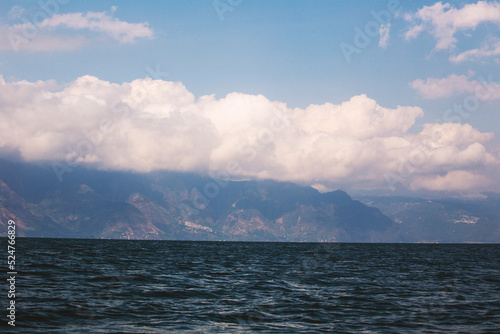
(182, 206)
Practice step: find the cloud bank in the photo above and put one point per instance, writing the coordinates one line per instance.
(147, 125)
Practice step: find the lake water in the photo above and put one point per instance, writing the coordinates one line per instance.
(115, 286)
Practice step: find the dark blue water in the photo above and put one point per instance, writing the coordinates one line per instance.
(111, 286)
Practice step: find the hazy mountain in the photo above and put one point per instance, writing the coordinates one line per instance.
(166, 205)
(445, 220)
(181, 206)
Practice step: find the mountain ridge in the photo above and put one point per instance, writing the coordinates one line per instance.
(186, 206)
(169, 205)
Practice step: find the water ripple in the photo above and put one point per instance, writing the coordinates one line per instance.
(111, 286)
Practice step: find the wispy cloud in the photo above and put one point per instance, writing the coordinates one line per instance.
(11, 40)
(459, 180)
(491, 48)
(48, 35)
(16, 12)
(443, 21)
(384, 32)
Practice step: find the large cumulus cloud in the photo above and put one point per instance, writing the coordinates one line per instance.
(147, 125)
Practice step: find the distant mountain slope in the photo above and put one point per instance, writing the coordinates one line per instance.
(166, 205)
(181, 206)
(448, 220)
(30, 220)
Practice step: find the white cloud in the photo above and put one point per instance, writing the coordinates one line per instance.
(414, 31)
(359, 118)
(147, 125)
(444, 21)
(434, 88)
(487, 50)
(384, 35)
(46, 35)
(458, 180)
(121, 31)
(454, 134)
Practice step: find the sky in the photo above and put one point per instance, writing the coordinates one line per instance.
(390, 97)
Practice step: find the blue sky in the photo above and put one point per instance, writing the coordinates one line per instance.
(288, 51)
